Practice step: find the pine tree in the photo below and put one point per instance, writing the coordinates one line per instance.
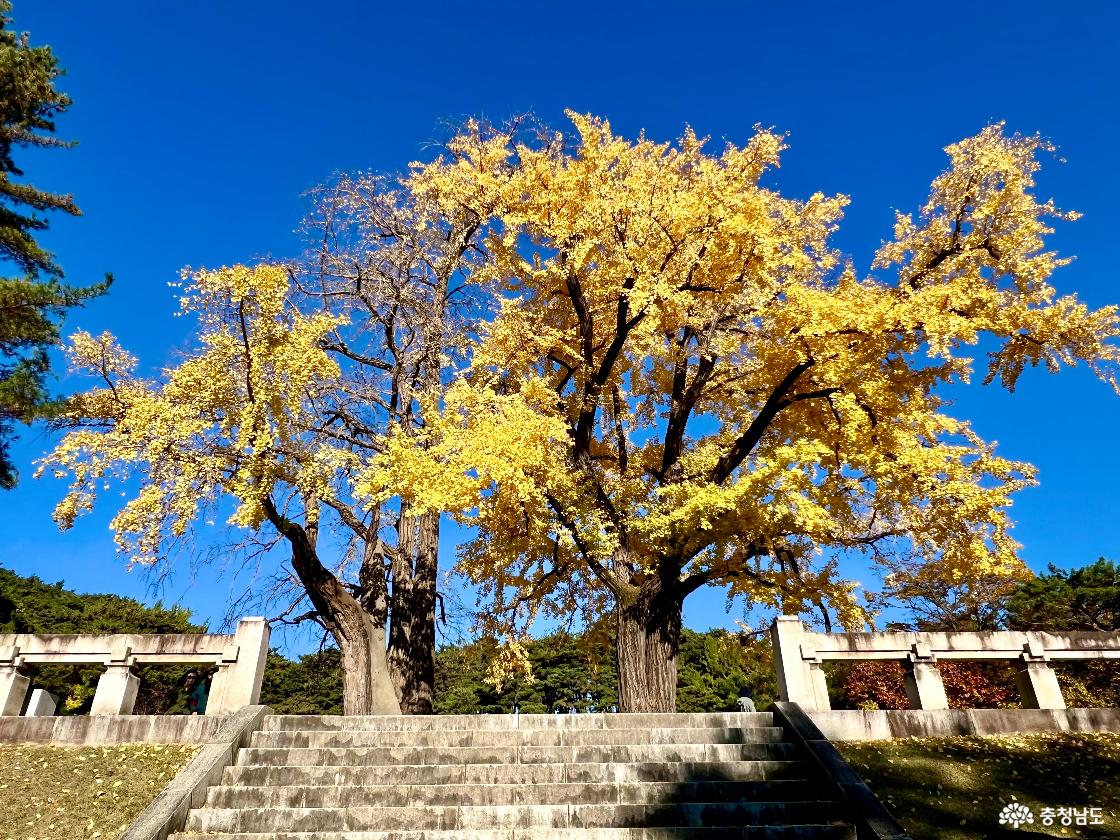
(31, 306)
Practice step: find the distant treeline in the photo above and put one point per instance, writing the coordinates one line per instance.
(570, 672)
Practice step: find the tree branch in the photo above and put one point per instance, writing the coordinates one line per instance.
(746, 442)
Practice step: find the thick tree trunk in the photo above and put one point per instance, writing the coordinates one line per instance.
(649, 634)
(366, 686)
(358, 626)
(412, 617)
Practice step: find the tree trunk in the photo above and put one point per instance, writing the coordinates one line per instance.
(366, 687)
(412, 617)
(358, 626)
(649, 634)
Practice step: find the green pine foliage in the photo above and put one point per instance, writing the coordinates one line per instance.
(1081, 599)
(28, 605)
(715, 665)
(312, 686)
(29, 103)
(567, 676)
(31, 305)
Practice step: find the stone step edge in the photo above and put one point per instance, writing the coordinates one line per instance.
(623, 793)
(685, 731)
(526, 806)
(516, 785)
(651, 749)
(714, 725)
(571, 809)
(399, 723)
(580, 766)
(833, 830)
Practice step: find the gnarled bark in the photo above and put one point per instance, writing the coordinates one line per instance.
(412, 617)
(366, 686)
(358, 626)
(649, 633)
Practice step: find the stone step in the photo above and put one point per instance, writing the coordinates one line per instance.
(398, 723)
(503, 773)
(517, 737)
(448, 818)
(620, 754)
(626, 793)
(767, 832)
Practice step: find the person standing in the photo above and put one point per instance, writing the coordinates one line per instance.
(746, 699)
(197, 689)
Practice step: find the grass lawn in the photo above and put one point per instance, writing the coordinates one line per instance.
(955, 788)
(66, 793)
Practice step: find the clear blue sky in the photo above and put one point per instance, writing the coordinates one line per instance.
(200, 125)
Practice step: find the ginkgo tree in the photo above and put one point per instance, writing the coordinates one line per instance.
(687, 385)
(293, 377)
(231, 421)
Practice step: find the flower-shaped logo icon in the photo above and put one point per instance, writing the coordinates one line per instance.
(1016, 815)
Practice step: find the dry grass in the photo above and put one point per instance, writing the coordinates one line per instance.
(65, 793)
(955, 788)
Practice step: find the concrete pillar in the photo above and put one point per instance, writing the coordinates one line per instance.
(42, 704)
(13, 689)
(787, 635)
(924, 688)
(13, 684)
(116, 691)
(215, 700)
(819, 683)
(1038, 684)
(238, 681)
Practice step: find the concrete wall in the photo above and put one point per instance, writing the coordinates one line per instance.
(106, 729)
(844, 725)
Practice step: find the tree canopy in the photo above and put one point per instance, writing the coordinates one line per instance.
(31, 306)
(1087, 598)
(686, 384)
(681, 383)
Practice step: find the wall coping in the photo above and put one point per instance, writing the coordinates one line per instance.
(881, 725)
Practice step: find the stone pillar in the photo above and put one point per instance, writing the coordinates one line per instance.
(924, 688)
(116, 690)
(238, 681)
(215, 700)
(795, 684)
(42, 704)
(13, 684)
(1038, 684)
(817, 680)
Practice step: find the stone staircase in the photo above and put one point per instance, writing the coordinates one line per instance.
(527, 777)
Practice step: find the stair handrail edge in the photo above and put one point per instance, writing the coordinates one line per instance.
(167, 813)
(871, 818)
